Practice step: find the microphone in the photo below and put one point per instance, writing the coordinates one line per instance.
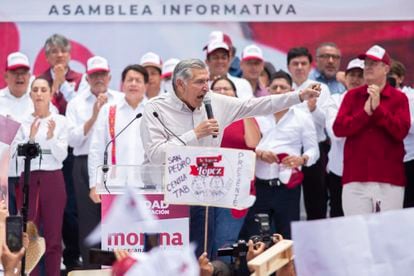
(105, 167)
(167, 129)
(209, 110)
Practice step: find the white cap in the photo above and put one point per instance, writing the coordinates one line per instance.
(17, 60)
(355, 63)
(217, 45)
(168, 67)
(252, 52)
(376, 53)
(219, 36)
(97, 64)
(151, 59)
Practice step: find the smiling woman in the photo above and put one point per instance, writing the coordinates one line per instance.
(47, 196)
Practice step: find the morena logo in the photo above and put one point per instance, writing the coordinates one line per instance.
(133, 239)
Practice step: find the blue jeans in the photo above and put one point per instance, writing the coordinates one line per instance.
(280, 203)
(197, 223)
(226, 230)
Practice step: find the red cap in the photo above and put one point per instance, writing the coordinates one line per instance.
(376, 53)
(219, 36)
(17, 60)
(97, 64)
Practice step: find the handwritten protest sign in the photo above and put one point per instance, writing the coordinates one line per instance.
(209, 177)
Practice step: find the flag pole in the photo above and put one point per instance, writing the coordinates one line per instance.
(205, 229)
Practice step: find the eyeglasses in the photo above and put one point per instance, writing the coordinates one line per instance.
(329, 56)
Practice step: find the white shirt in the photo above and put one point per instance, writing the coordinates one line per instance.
(336, 153)
(293, 131)
(128, 145)
(182, 120)
(54, 150)
(409, 140)
(78, 112)
(243, 87)
(318, 114)
(17, 109)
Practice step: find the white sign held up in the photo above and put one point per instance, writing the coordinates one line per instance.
(209, 177)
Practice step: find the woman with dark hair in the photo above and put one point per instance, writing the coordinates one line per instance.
(241, 134)
(47, 194)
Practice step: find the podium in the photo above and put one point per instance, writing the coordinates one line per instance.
(147, 180)
(144, 179)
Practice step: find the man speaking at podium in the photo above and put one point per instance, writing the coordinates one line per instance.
(196, 117)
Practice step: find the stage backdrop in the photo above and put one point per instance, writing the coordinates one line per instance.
(122, 31)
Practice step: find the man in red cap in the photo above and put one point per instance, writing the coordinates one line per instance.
(82, 113)
(374, 118)
(252, 65)
(218, 62)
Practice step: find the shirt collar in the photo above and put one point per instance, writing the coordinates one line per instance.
(6, 93)
(124, 104)
(179, 104)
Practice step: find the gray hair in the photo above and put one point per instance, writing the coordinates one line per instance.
(183, 69)
(327, 44)
(57, 40)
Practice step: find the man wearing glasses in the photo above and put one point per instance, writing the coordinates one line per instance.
(328, 61)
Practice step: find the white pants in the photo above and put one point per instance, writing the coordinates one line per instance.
(364, 197)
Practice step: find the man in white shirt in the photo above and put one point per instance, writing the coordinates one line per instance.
(127, 148)
(184, 114)
(153, 64)
(82, 113)
(218, 62)
(354, 77)
(16, 103)
(283, 133)
(299, 62)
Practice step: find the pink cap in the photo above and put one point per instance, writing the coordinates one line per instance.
(17, 60)
(252, 52)
(168, 67)
(151, 59)
(97, 64)
(219, 36)
(376, 53)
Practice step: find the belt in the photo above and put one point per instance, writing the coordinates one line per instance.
(275, 182)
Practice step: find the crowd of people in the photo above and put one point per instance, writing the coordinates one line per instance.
(345, 140)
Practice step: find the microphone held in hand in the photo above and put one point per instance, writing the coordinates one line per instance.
(167, 129)
(209, 110)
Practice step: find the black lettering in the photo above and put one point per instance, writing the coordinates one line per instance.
(96, 10)
(277, 9)
(79, 10)
(230, 9)
(120, 11)
(109, 9)
(175, 9)
(291, 9)
(146, 10)
(257, 6)
(244, 10)
(215, 9)
(66, 10)
(53, 10)
(133, 10)
(201, 9)
(164, 10)
(187, 9)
